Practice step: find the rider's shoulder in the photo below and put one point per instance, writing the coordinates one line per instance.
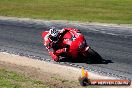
(67, 29)
(47, 36)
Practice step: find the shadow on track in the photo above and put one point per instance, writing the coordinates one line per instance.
(91, 59)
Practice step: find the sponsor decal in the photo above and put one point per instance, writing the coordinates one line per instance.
(85, 81)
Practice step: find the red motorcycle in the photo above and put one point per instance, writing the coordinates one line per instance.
(77, 47)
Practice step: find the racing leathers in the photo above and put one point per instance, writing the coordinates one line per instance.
(58, 46)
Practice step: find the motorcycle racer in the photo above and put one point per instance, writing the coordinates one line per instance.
(54, 39)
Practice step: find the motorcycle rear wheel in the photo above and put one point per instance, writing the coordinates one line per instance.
(93, 56)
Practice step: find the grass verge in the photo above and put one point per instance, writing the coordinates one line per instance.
(10, 79)
(109, 11)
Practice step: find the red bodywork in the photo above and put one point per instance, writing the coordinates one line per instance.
(75, 40)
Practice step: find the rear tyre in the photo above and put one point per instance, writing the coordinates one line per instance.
(94, 56)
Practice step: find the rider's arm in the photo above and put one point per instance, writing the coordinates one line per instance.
(69, 29)
(64, 30)
(47, 42)
(75, 31)
(51, 53)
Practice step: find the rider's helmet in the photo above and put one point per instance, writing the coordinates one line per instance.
(53, 34)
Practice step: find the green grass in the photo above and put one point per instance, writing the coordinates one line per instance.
(9, 79)
(109, 11)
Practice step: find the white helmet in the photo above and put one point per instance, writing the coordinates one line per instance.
(53, 34)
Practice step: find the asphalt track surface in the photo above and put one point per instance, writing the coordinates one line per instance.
(114, 44)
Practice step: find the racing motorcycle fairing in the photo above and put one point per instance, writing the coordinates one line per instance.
(72, 41)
